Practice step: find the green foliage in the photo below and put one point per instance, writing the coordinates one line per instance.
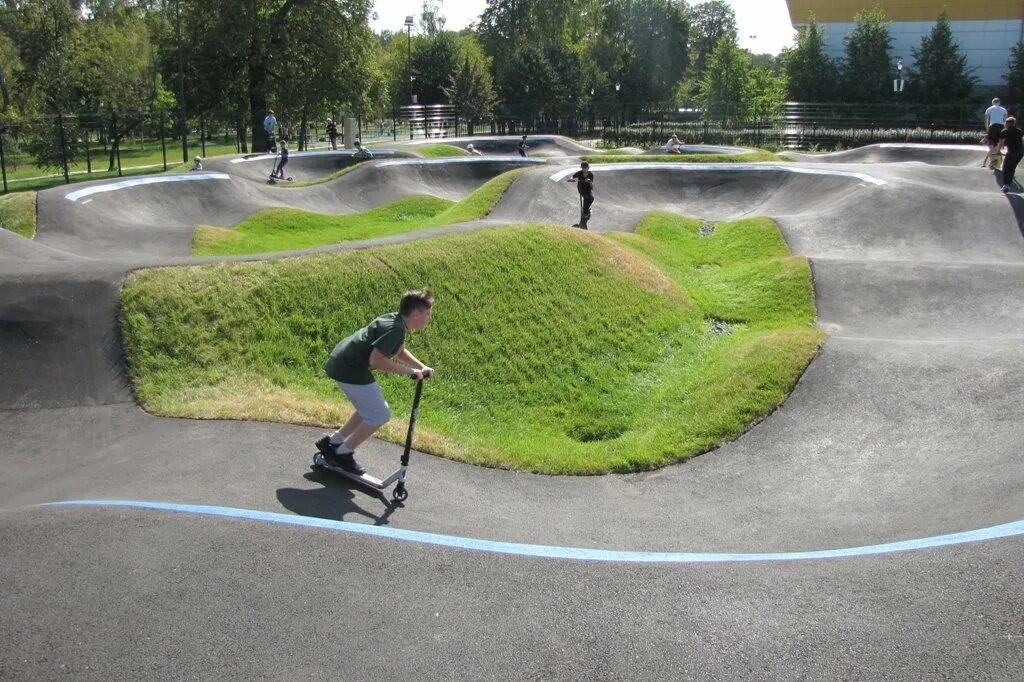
(18, 213)
(471, 91)
(724, 87)
(811, 75)
(1015, 75)
(940, 77)
(867, 70)
(710, 22)
(766, 92)
(248, 340)
(435, 62)
(643, 47)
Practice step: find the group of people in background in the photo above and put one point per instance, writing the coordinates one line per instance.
(1004, 139)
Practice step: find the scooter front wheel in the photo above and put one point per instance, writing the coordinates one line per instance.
(399, 494)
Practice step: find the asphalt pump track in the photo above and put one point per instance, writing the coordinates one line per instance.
(869, 528)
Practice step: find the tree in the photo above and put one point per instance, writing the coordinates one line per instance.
(326, 63)
(435, 60)
(709, 23)
(1015, 76)
(766, 92)
(264, 40)
(941, 78)
(810, 73)
(643, 46)
(431, 20)
(112, 71)
(724, 89)
(507, 26)
(867, 68)
(471, 90)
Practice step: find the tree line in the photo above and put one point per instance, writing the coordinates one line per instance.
(232, 60)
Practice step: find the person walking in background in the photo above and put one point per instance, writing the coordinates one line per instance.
(332, 134)
(995, 117)
(1012, 140)
(523, 147)
(269, 128)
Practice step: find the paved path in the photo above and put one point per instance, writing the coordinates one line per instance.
(908, 425)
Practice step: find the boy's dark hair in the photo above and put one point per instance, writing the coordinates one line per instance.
(415, 300)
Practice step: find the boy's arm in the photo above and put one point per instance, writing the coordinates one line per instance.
(382, 362)
(408, 358)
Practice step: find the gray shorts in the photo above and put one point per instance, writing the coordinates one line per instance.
(368, 401)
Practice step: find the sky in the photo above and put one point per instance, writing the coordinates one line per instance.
(763, 24)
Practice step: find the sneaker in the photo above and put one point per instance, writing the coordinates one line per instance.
(1006, 189)
(346, 461)
(325, 446)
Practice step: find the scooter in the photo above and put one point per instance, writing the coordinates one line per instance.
(399, 494)
(584, 216)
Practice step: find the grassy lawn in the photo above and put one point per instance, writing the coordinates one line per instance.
(285, 229)
(759, 155)
(436, 151)
(558, 351)
(18, 213)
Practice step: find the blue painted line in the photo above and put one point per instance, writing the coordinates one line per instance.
(720, 167)
(553, 552)
(135, 182)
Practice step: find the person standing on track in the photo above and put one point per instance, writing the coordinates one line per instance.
(1012, 140)
(995, 117)
(523, 147)
(584, 180)
(269, 127)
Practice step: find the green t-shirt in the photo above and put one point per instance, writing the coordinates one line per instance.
(349, 362)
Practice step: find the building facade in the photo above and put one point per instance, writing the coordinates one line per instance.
(986, 30)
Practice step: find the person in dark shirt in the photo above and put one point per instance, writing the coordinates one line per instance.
(1012, 140)
(379, 345)
(523, 146)
(584, 180)
(279, 171)
(332, 133)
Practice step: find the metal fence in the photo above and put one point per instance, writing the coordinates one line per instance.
(49, 150)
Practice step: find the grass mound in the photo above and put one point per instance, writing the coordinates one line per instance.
(437, 151)
(18, 213)
(286, 229)
(558, 351)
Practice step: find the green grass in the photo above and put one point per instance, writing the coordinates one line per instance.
(286, 229)
(751, 157)
(558, 351)
(435, 151)
(18, 213)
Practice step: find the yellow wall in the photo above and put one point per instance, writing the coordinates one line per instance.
(906, 10)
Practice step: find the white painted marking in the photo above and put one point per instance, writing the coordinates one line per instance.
(726, 167)
(135, 182)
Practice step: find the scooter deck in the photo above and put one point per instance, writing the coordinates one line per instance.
(366, 479)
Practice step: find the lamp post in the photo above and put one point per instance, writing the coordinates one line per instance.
(181, 83)
(621, 117)
(408, 62)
